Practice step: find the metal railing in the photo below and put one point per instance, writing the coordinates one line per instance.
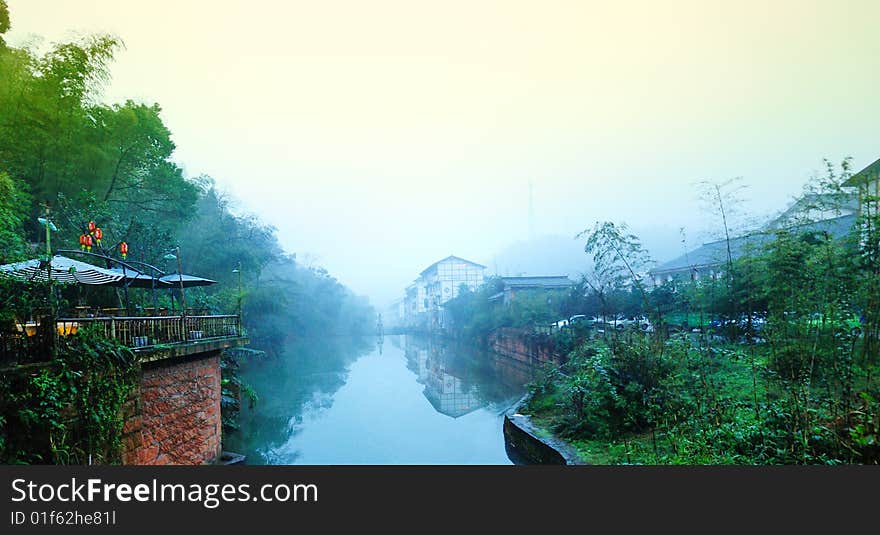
(27, 343)
(149, 331)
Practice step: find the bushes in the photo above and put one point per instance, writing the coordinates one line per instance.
(69, 411)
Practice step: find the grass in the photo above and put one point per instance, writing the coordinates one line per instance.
(726, 379)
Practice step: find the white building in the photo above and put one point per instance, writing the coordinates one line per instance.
(442, 281)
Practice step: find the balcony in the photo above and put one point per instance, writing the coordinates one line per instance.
(151, 337)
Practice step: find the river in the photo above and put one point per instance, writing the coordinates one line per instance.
(397, 399)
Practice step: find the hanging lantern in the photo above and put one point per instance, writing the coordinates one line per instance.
(89, 243)
(91, 227)
(123, 249)
(82, 242)
(98, 235)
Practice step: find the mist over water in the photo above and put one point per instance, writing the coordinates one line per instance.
(390, 400)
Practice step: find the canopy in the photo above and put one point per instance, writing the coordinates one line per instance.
(137, 279)
(188, 280)
(64, 270)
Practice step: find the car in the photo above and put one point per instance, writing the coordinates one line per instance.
(578, 319)
(629, 322)
(559, 324)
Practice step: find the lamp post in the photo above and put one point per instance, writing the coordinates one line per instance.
(176, 256)
(47, 222)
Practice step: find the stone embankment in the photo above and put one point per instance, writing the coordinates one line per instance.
(533, 445)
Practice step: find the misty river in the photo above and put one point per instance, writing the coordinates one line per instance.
(397, 399)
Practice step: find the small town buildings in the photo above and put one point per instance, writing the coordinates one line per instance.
(437, 284)
(867, 184)
(710, 259)
(511, 286)
(834, 213)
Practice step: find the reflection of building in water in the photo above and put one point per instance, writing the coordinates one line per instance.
(447, 387)
(458, 381)
(450, 395)
(416, 357)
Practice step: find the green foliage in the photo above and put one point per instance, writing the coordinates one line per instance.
(473, 315)
(781, 369)
(112, 164)
(4, 19)
(22, 301)
(71, 410)
(14, 205)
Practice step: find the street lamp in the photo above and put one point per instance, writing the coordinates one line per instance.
(176, 256)
(45, 221)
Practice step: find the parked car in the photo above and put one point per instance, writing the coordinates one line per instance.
(578, 319)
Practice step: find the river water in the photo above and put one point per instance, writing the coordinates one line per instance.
(397, 399)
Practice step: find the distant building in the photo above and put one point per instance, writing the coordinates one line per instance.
(415, 305)
(710, 259)
(437, 284)
(395, 313)
(834, 213)
(511, 286)
(867, 184)
(816, 207)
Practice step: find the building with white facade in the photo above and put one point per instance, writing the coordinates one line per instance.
(437, 284)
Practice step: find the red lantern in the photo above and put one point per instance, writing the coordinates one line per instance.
(98, 235)
(123, 248)
(88, 243)
(91, 227)
(82, 241)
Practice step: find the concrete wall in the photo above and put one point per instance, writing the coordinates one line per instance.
(174, 416)
(526, 444)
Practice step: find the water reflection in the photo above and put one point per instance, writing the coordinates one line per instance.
(459, 380)
(386, 400)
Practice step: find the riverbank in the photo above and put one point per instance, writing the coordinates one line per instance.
(532, 443)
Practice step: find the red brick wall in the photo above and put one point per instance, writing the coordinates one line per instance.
(522, 346)
(174, 417)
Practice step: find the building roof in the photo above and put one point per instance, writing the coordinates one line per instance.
(715, 253)
(552, 281)
(871, 172)
(450, 257)
(840, 204)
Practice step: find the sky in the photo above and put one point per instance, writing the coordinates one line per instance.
(381, 136)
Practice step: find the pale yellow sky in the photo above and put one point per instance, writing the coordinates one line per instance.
(380, 136)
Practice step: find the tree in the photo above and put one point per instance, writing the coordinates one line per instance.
(4, 20)
(618, 260)
(14, 204)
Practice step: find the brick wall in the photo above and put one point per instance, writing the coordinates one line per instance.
(174, 416)
(523, 346)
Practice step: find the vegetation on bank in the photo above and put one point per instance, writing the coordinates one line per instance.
(71, 409)
(778, 363)
(63, 149)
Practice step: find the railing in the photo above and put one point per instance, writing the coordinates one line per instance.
(32, 342)
(149, 331)
(26, 343)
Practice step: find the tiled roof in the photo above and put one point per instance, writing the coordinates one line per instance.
(715, 253)
(555, 281)
(871, 172)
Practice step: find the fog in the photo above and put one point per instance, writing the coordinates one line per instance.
(380, 137)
